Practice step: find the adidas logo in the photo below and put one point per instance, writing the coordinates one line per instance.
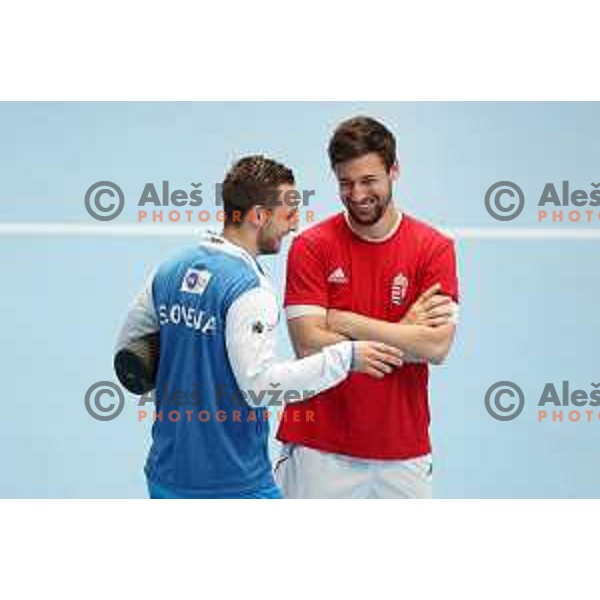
(338, 276)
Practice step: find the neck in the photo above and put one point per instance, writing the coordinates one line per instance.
(378, 230)
(241, 237)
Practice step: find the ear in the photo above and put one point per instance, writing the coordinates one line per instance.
(262, 215)
(255, 216)
(395, 171)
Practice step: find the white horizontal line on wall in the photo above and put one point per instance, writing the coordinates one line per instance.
(25, 228)
(99, 229)
(514, 233)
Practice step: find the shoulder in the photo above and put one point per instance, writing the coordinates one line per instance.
(199, 263)
(321, 234)
(424, 235)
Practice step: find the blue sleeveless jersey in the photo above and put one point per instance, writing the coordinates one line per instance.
(206, 439)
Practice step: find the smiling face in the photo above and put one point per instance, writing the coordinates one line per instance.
(365, 186)
(277, 222)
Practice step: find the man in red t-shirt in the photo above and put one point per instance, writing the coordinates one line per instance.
(373, 273)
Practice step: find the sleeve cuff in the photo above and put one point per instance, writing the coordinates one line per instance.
(304, 310)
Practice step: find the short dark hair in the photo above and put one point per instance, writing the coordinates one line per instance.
(252, 181)
(359, 136)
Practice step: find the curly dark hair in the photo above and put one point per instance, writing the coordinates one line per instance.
(252, 181)
(359, 136)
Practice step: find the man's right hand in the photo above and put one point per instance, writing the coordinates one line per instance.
(376, 358)
(431, 309)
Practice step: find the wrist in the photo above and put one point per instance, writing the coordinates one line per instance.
(409, 319)
(337, 323)
(332, 320)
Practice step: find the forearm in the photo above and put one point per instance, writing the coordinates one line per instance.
(313, 339)
(141, 319)
(430, 343)
(264, 377)
(258, 370)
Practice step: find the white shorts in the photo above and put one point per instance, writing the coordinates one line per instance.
(303, 472)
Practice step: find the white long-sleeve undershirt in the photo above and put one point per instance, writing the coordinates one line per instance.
(250, 333)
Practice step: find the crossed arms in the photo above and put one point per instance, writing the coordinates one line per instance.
(426, 332)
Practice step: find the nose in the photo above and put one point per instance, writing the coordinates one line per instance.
(357, 192)
(293, 220)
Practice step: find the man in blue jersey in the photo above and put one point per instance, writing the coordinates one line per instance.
(218, 374)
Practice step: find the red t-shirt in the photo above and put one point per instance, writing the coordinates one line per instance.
(331, 267)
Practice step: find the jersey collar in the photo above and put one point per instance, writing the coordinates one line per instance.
(372, 240)
(216, 241)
